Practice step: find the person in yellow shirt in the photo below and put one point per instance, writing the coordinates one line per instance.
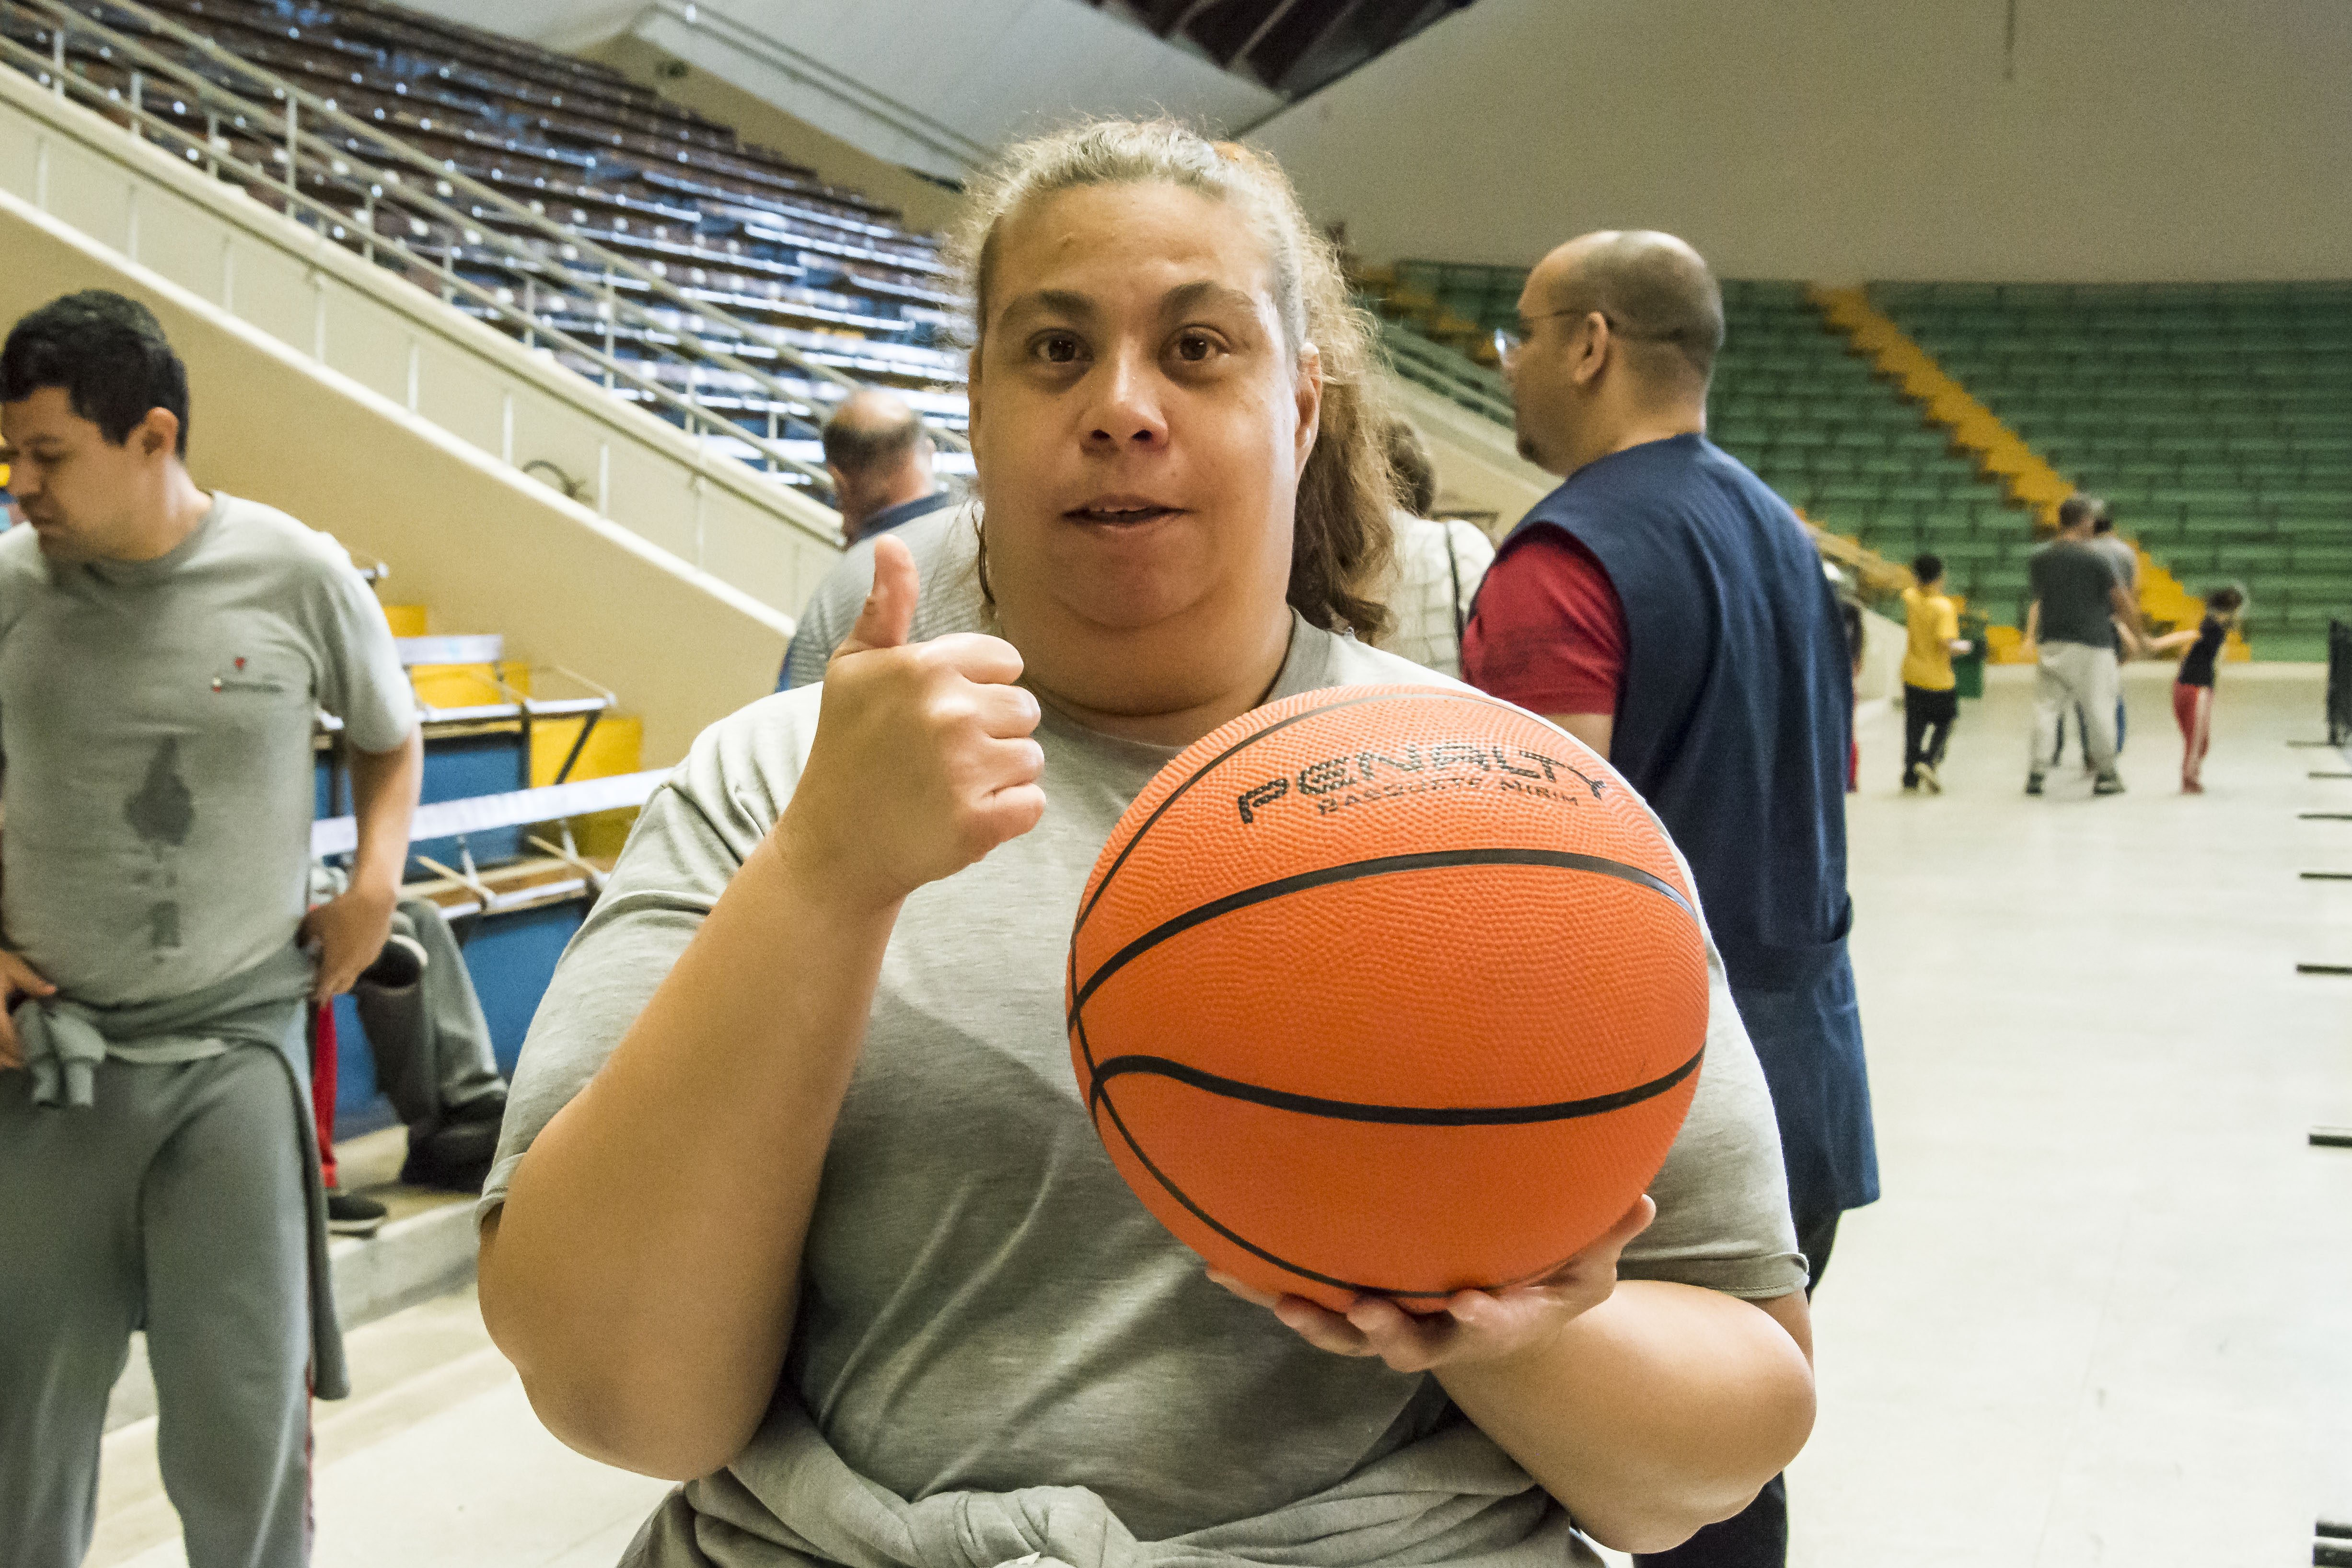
(1929, 702)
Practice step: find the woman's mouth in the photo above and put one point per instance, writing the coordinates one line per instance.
(1121, 512)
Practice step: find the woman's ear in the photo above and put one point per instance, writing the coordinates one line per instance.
(1310, 400)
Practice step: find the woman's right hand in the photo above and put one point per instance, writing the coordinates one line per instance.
(922, 760)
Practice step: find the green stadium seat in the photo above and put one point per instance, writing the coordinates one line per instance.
(2317, 506)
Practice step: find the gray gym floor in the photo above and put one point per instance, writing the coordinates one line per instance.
(2097, 1319)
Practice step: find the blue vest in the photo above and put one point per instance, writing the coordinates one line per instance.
(1734, 722)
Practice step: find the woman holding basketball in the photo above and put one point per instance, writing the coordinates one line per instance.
(797, 1196)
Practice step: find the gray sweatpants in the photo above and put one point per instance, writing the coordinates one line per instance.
(2075, 676)
(176, 1203)
(430, 1041)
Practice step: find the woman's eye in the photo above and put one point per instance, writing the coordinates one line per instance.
(1058, 348)
(1195, 348)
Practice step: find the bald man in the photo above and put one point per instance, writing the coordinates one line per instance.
(879, 459)
(1665, 607)
(881, 462)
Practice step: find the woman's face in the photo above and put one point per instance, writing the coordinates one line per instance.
(1139, 427)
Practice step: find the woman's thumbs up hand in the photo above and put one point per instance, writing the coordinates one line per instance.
(922, 760)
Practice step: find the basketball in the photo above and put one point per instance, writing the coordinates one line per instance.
(1386, 990)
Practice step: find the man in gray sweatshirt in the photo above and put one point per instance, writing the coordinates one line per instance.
(164, 651)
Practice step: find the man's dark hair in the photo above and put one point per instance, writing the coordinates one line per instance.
(1654, 290)
(2229, 596)
(2103, 516)
(861, 438)
(2076, 508)
(1409, 466)
(1926, 568)
(108, 353)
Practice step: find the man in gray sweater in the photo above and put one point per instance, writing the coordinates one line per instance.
(164, 651)
(2079, 606)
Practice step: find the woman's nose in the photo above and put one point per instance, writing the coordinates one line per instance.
(1127, 409)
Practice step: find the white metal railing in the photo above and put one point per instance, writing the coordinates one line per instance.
(936, 135)
(1452, 375)
(359, 162)
(149, 204)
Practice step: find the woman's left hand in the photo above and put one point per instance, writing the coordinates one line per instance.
(1472, 1326)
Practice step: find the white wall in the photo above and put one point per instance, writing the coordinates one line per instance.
(1840, 140)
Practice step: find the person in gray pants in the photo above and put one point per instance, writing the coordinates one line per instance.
(2079, 607)
(163, 651)
(432, 1048)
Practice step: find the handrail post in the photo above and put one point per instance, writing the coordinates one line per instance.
(293, 157)
(612, 310)
(58, 55)
(138, 104)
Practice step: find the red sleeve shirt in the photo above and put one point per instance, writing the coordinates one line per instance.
(1548, 632)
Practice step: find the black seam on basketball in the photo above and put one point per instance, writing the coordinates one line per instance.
(1243, 745)
(1205, 1217)
(1395, 1115)
(1356, 871)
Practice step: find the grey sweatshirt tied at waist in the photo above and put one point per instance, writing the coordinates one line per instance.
(1453, 1498)
(63, 1040)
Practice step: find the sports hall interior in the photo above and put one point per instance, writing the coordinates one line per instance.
(538, 308)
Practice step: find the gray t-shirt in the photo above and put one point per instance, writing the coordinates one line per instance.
(985, 1305)
(2120, 555)
(2073, 581)
(155, 723)
(945, 543)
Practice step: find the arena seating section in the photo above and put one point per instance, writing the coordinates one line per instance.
(1853, 455)
(2217, 419)
(492, 725)
(822, 272)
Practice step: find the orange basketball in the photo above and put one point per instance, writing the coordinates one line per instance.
(1387, 989)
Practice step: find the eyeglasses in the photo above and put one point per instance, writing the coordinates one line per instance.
(1507, 343)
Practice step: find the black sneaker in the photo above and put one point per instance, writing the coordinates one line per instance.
(457, 1155)
(2033, 784)
(348, 1214)
(2108, 784)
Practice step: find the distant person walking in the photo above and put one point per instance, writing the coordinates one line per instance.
(2079, 607)
(2192, 688)
(1666, 609)
(1439, 563)
(1930, 690)
(2125, 558)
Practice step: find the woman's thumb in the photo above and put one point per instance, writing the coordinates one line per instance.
(889, 612)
